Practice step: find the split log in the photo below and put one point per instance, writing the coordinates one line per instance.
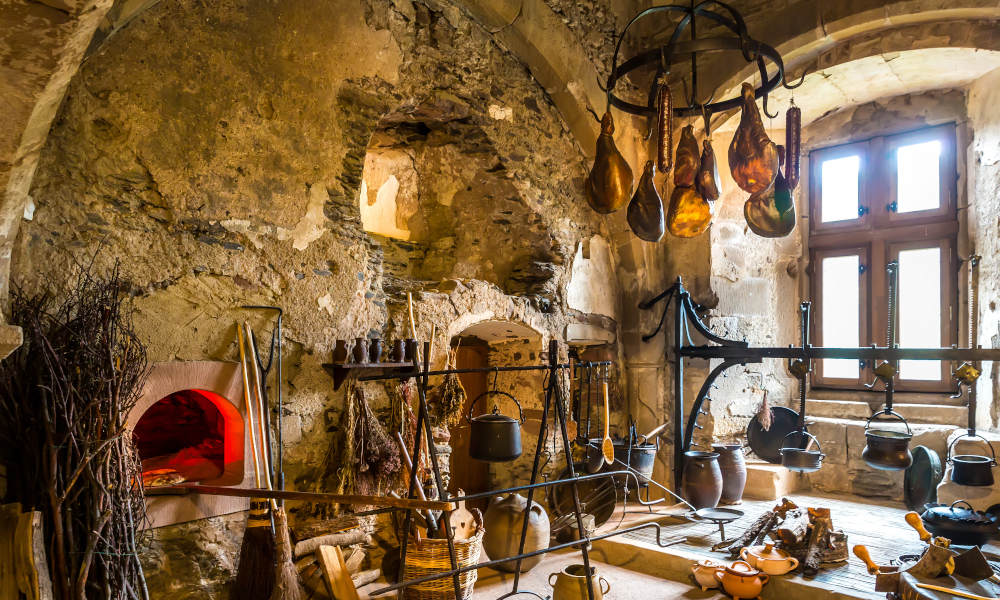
(726, 543)
(29, 548)
(326, 527)
(355, 559)
(338, 580)
(348, 538)
(312, 580)
(795, 526)
(837, 551)
(766, 529)
(819, 539)
(305, 561)
(785, 506)
(365, 577)
(751, 533)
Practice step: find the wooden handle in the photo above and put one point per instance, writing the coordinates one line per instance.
(914, 521)
(862, 553)
(409, 307)
(316, 497)
(607, 414)
(938, 588)
(408, 464)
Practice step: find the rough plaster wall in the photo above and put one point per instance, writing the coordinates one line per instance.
(984, 230)
(218, 151)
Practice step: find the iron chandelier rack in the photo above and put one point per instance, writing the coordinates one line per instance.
(664, 57)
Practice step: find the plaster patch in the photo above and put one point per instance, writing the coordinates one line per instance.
(311, 226)
(501, 113)
(326, 302)
(593, 287)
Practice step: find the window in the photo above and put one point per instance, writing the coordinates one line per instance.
(890, 198)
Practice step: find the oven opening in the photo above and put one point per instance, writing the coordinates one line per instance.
(187, 437)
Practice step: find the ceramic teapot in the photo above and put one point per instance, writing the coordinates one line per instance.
(769, 559)
(741, 581)
(704, 573)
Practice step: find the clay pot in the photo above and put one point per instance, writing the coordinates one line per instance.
(734, 472)
(769, 559)
(701, 481)
(704, 573)
(340, 352)
(571, 584)
(375, 351)
(741, 580)
(503, 522)
(360, 350)
(399, 351)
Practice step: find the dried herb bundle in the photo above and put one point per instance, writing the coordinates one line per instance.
(65, 395)
(376, 456)
(449, 403)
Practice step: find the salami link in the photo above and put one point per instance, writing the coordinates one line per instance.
(665, 130)
(793, 141)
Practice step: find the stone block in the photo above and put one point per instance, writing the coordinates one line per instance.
(832, 437)
(11, 339)
(768, 482)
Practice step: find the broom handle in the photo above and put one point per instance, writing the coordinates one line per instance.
(265, 448)
(249, 404)
(384, 501)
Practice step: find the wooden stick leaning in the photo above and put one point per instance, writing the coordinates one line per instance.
(258, 407)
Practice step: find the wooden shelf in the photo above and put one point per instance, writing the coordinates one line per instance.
(339, 372)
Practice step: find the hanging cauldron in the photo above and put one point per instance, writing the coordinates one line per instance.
(888, 450)
(495, 437)
(972, 469)
(802, 460)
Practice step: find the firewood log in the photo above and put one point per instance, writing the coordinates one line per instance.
(355, 559)
(766, 529)
(334, 539)
(313, 529)
(819, 539)
(795, 526)
(365, 577)
(305, 561)
(312, 581)
(751, 533)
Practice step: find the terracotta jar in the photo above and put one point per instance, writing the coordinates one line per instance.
(701, 481)
(503, 522)
(340, 352)
(734, 472)
(704, 573)
(571, 584)
(360, 350)
(741, 581)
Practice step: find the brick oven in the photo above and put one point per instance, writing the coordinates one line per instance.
(190, 425)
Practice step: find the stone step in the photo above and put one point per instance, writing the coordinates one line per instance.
(768, 482)
(929, 414)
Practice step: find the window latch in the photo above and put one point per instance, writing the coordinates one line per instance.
(862, 268)
(892, 206)
(863, 210)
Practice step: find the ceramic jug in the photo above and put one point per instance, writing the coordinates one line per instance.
(571, 584)
(734, 472)
(360, 350)
(503, 522)
(340, 352)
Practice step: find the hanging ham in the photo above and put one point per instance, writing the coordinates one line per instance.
(688, 159)
(753, 157)
(689, 214)
(645, 211)
(771, 213)
(708, 182)
(609, 184)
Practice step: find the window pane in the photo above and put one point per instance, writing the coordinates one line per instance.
(918, 177)
(840, 189)
(841, 313)
(920, 310)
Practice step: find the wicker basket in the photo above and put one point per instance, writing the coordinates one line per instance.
(432, 558)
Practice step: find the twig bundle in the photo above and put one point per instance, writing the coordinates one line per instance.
(65, 396)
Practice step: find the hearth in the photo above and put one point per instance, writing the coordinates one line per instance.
(189, 425)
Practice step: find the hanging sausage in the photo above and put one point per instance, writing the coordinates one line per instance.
(753, 157)
(688, 159)
(708, 183)
(793, 143)
(645, 211)
(771, 213)
(609, 184)
(665, 130)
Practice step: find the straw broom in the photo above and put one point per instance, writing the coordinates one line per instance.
(255, 574)
(286, 576)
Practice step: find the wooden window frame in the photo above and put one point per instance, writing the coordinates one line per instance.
(882, 233)
(863, 253)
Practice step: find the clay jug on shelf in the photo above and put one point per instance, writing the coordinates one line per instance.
(503, 522)
(701, 480)
(734, 471)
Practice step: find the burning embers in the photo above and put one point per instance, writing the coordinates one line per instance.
(182, 437)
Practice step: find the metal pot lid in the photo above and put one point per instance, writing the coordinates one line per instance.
(942, 514)
(889, 435)
(921, 479)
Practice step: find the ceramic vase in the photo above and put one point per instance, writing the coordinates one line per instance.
(734, 472)
(360, 350)
(375, 351)
(571, 584)
(340, 352)
(503, 522)
(399, 351)
(701, 481)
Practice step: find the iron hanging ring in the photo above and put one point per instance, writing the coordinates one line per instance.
(891, 413)
(948, 456)
(520, 411)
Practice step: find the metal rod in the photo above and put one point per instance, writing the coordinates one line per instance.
(385, 376)
(580, 542)
(678, 387)
(818, 352)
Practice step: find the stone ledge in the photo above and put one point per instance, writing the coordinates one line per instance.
(930, 414)
(11, 338)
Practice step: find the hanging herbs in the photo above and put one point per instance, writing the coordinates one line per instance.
(376, 456)
(449, 403)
